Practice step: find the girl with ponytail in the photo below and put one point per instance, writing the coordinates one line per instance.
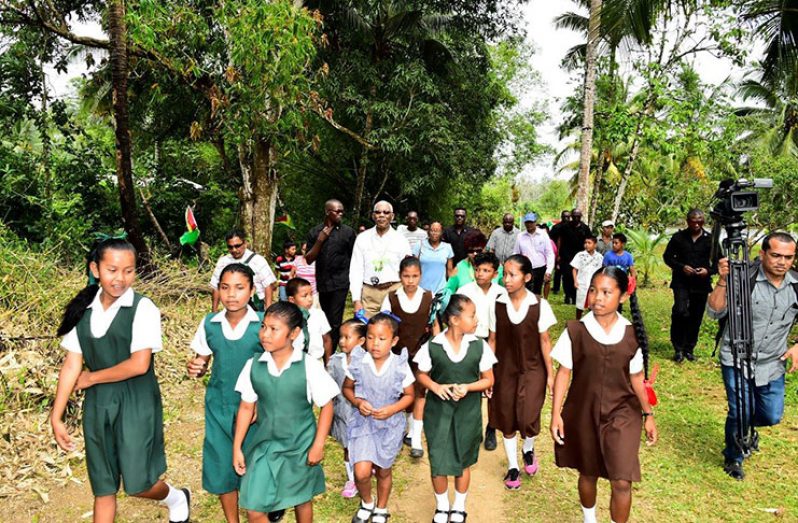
(113, 332)
(604, 359)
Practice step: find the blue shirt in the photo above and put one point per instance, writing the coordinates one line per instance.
(433, 265)
(622, 261)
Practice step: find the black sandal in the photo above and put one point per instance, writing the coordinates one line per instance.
(460, 513)
(383, 517)
(356, 519)
(438, 511)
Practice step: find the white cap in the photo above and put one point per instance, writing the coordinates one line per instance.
(607, 223)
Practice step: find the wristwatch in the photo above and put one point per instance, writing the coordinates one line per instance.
(647, 414)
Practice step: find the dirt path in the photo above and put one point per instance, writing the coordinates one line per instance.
(486, 495)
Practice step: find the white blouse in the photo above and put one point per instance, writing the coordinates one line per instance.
(424, 361)
(545, 321)
(563, 349)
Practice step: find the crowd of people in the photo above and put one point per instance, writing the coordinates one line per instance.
(445, 318)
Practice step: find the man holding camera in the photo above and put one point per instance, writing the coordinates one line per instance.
(774, 307)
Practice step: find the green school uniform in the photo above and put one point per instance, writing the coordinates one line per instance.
(453, 428)
(122, 421)
(221, 402)
(278, 476)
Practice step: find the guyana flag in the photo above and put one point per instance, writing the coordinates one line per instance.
(285, 220)
(192, 233)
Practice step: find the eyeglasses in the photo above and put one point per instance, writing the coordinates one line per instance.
(336, 211)
(382, 212)
(234, 246)
(475, 251)
(459, 215)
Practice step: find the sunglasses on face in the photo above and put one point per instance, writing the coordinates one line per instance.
(336, 211)
(235, 246)
(474, 251)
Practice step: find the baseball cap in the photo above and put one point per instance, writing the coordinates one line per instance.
(607, 223)
(530, 217)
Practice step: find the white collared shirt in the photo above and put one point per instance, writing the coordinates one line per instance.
(537, 247)
(410, 306)
(200, 342)
(546, 319)
(146, 323)
(318, 326)
(563, 350)
(424, 361)
(368, 360)
(376, 257)
(321, 388)
(484, 302)
(264, 276)
(586, 265)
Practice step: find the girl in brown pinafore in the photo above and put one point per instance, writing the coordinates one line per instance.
(411, 304)
(518, 326)
(598, 430)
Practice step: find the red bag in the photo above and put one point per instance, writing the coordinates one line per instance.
(649, 385)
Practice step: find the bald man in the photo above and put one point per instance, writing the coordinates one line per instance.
(374, 269)
(330, 245)
(502, 239)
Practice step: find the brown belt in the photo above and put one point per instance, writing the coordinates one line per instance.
(382, 286)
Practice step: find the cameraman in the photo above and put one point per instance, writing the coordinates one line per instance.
(774, 306)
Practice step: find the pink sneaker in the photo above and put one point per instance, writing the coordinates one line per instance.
(530, 463)
(512, 480)
(350, 490)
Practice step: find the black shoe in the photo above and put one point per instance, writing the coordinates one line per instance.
(678, 357)
(490, 438)
(356, 519)
(276, 516)
(689, 356)
(406, 440)
(416, 453)
(459, 513)
(734, 469)
(512, 480)
(440, 512)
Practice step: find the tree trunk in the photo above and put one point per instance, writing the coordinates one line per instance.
(582, 192)
(605, 163)
(362, 166)
(117, 31)
(627, 172)
(259, 194)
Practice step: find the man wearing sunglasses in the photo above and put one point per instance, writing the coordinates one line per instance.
(374, 269)
(330, 245)
(236, 241)
(455, 235)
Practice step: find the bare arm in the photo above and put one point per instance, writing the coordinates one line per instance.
(545, 348)
(449, 268)
(561, 383)
(444, 391)
(484, 382)
(576, 282)
(717, 298)
(408, 395)
(67, 378)
(642, 396)
(246, 411)
(326, 340)
(313, 254)
(348, 390)
(197, 366)
(492, 341)
(137, 364)
(215, 301)
(316, 452)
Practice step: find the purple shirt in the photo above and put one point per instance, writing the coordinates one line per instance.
(536, 247)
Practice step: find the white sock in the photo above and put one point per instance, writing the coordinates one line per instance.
(177, 504)
(511, 449)
(529, 444)
(459, 500)
(589, 514)
(379, 510)
(441, 503)
(415, 435)
(350, 471)
(409, 423)
(364, 511)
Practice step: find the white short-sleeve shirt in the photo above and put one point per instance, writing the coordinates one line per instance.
(409, 305)
(424, 361)
(264, 276)
(200, 342)
(321, 388)
(318, 326)
(368, 360)
(146, 323)
(484, 301)
(545, 321)
(563, 350)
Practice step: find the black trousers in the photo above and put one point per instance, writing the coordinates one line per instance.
(555, 285)
(568, 288)
(686, 317)
(538, 273)
(333, 304)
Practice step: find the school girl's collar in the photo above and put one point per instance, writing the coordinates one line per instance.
(251, 316)
(442, 340)
(126, 300)
(529, 299)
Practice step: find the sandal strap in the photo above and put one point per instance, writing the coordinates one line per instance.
(380, 517)
(459, 513)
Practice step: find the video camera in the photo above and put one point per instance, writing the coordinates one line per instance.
(733, 199)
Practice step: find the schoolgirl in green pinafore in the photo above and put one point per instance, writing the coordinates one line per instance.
(113, 332)
(455, 366)
(229, 337)
(280, 460)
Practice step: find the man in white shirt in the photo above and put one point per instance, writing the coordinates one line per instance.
(374, 269)
(535, 244)
(414, 234)
(236, 241)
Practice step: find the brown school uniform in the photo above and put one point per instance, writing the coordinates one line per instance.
(413, 326)
(520, 374)
(601, 415)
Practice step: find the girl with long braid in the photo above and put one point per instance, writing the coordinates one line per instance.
(604, 358)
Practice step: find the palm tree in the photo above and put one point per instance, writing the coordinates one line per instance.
(777, 24)
(645, 247)
(775, 124)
